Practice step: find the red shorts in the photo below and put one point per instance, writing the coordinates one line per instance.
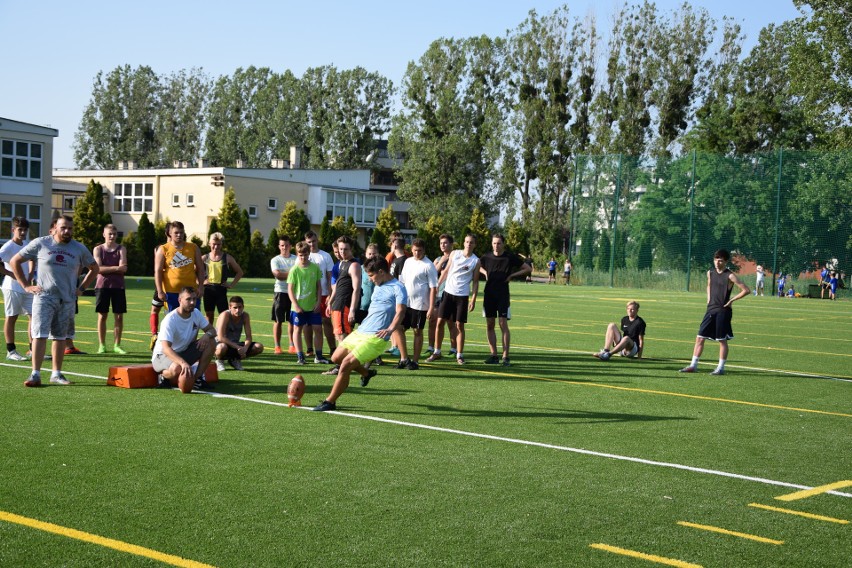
(340, 322)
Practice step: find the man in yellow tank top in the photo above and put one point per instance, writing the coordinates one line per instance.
(177, 264)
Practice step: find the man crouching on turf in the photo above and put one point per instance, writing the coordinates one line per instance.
(178, 350)
(386, 312)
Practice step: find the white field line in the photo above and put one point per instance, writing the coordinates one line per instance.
(521, 442)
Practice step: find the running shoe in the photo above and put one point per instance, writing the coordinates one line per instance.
(73, 351)
(321, 361)
(236, 364)
(101, 349)
(718, 372)
(153, 342)
(505, 362)
(220, 365)
(59, 380)
(493, 360)
(689, 369)
(460, 360)
(402, 364)
(412, 365)
(278, 351)
(291, 349)
(394, 351)
(325, 406)
(33, 381)
(119, 350)
(332, 372)
(13, 355)
(370, 374)
(434, 357)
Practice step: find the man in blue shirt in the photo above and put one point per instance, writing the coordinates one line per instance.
(386, 312)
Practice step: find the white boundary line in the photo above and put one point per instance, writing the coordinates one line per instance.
(515, 441)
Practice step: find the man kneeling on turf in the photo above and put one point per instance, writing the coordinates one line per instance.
(177, 352)
(629, 340)
(386, 312)
(229, 328)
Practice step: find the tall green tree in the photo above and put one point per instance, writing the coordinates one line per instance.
(232, 226)
(146, 243)
(89, 216)
(293, 223)
(386, 222)
(258, 262)
(478, 227)
(181, 115)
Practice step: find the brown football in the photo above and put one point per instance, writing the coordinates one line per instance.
(295, 390)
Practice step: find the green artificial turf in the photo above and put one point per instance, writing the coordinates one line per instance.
(451, 466)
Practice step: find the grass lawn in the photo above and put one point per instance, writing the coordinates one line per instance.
(558, 460)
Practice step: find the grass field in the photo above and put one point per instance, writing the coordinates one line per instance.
(558, 460)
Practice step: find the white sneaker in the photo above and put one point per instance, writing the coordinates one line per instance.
(59, 380)
(220, 365)
(13, 355)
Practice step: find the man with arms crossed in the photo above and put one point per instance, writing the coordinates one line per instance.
(59, 259)
(109, 289)
(387, 308)
(177, 265)
(420, 279)
(280, 266)
(326, 263)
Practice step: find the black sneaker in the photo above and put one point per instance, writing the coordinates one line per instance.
(378, 362)
(492, 360)
(412, 365)
(202, 384)
(505, 362)
(301, 361)
(163, 382)
(325, 406)
(370, 374)
(402, 364)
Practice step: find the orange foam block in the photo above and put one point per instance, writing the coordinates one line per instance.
(144, 376)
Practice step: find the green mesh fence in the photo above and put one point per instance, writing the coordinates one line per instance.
(656, 224)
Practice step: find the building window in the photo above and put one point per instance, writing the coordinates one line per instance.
(69, 202)
(31, 212)
(364, 207)
(190, 200)
(133, 198)
(252, 211)
(272, 204)
(20, 160)
(175, 200)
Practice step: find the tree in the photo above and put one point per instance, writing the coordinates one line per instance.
(257, 262)
(272, 246)
(146, 242)
(326, 234)
(517, 239)
(214, 227)
(386, 223)
(181, 115)
(431, 231)
(232, 226)
(89, 216)
(293, 223)
(479, 228)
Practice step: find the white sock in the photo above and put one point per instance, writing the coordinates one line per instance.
(721, 366)
(694, 362)
(437, 351)
(55, 374)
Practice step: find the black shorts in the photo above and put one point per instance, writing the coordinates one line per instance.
(231, 353)
(717, 326)
(106, 296)
(281, 308)
(360, 315)
(215, 298)
(414, 318)
(496, 306)
(454, 308)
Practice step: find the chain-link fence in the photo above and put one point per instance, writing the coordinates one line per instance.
(637, 223)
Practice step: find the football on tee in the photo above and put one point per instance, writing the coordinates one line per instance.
(295, 390)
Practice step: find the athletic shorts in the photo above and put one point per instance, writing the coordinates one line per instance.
(156, 301)
(323, 306)
(104, 297)
(281, 307)
(717, 326)
(191, 355)
(364, 346)
(414, 319)
(496, 306)
(305, 318)
(215, 298)
(51, 318)
(552, 273)
(340, 321)
(630, 352)
(231, 353)
(17, 303)
(454, 308)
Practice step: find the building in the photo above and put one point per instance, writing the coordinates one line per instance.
(26, 163)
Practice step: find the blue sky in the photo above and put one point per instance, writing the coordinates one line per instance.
(53, 49)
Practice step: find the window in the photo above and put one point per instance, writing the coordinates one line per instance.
(20, 160)
(133, 198)
(252, 211)
(272, 204)
(69, 202)
(175, 200)
(364, 207)
(190, 200)
(28, 210)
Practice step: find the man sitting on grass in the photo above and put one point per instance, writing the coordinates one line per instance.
(629, 340)
(229, 327)
(386, 312)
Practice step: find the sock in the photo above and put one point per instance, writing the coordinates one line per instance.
(36, 374)
(318, 353)
(300, 354)
(54, 374)
(154, 322)
(459, 355)
(10, 347)
(721, 366)
(437, 351)
(694, 361)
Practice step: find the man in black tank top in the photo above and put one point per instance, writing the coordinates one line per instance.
(717, 321)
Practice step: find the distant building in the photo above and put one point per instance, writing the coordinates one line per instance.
(26, 163)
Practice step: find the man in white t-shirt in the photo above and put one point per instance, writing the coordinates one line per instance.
(15, 300)
(280, 266)
(179, 356)
(421, 284)
(326, 264)
(462, 284)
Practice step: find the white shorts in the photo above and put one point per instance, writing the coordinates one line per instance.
(51, 318)
(17, 303)
(632, 352)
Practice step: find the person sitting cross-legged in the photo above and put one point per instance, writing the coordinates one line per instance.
(229, 328)
(629, 339)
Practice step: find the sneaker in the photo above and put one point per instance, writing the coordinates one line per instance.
(59, 380)
(153, 342)
(220, 365)
(460, 360)
(301, 361)
(325, 406)
(73, 351)
(603, 355)
(236, 364)
(33, 381)
(393, 351)
(201, 383)
(279, 351)
(163, 382)
(101, 349)
(291, 349)
(403, 363)
(412, 365)
(309, 353)
(505, 362)
(332, 372)
(119, 350)
(433, 357)
(378, 362)
(370, 374)
(453, 351)
(321, 361)
(689, 369)
(430, 350)
(718, 372)
(13, 355)
(492, 360)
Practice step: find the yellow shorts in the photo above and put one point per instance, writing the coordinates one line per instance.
(364, 346)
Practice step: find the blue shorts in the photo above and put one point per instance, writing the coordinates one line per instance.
(305, 318)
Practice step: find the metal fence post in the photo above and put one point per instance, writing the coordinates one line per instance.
(691, 213)
(573, 234)
(777, 219)
(615, 225)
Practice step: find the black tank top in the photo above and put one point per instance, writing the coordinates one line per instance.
(720, 290)
(343, 290)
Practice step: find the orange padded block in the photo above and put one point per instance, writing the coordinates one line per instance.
(144, 376)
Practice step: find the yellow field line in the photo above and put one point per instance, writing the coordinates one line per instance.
(800, 514)
(102, 541)
(815, 491)
(643, 556)
(731, 533)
